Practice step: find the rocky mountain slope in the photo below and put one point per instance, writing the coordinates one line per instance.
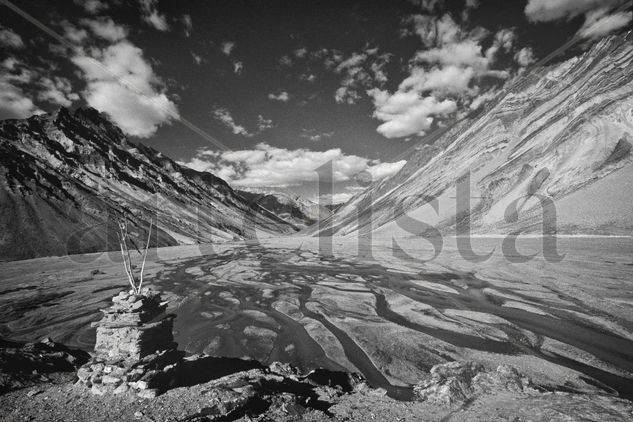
(293, 209)
(65, 176)
(561, 133)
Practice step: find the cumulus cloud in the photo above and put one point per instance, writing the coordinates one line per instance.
(22, 84)
(382, 170)
(92, 6)
(263, 123)
(197, 58)
(74, 34)
(106, 29)
(187, 24)
(482, 99)
(9, 39)
(223, 115)
(427, 5)
(550, 10)
(600, 19)
(407, 113)
(227, 47)
(445, 75)
(599, 23)
(151, 15)
(360, 71)
(238, 67)
(282, 96)
(121, 83)
(268, 166)
(14, 103)
(524, 57)
(56, 90)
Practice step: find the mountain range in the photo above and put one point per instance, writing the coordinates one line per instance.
(298, 211)
(67, 177)
(551, 153)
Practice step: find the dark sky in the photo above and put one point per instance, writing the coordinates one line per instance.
(261, 77)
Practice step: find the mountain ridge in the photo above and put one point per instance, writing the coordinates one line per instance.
(65, 176)
(558, 133)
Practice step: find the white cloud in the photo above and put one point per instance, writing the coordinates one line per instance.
(14, 104)
(151, 15)
(74, 34)
(463, 53)
(121, 83)
(382, 170)
(268, 166)
(238, 67)
(549, 10)
(525, 57)
(106, 29)
(56, 90)
(227, 47)
(483, 99)
(427, 5)
(599, 23)
(224, 116)
(10, 63)
(285, 61)
(361, 71)
(9, 39)
(187, 23)
(346, 95)
(197, 59)
(301, 52)
(444, 75)
(263, 123)
(434, 31)
(407, 113)
(450, 79)
(308, 77)
(315, 136)
(282, 96)
(504, 40)
(599, 18)
(92, 6)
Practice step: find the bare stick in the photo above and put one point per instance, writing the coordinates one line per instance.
(129, 257)
(125, 266)
(149, 235)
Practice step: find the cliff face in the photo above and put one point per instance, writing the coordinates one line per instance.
(562, 133)
(64, 176)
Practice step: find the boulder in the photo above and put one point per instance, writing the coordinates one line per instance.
(458, 382)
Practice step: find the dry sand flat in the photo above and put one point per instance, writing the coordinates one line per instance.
(563, 324)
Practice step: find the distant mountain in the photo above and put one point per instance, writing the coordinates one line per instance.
(298, 211)
(562, 133)
(64, 177)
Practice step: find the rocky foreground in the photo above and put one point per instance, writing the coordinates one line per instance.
(231, 389)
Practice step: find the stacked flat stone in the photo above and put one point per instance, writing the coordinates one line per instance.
(135, 349)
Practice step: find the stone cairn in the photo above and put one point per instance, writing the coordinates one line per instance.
(135, 350)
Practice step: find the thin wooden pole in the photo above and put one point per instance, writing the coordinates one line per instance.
(149, 235)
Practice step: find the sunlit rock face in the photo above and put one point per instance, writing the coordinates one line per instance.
(63, 176)
(561, 133)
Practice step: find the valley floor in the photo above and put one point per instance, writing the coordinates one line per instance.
(377, 309)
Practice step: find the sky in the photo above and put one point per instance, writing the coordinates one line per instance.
(264, 93)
